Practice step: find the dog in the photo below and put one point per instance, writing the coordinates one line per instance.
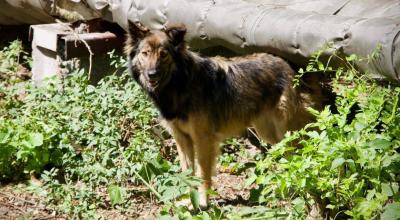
(204, 100)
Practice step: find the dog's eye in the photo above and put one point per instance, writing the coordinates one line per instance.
(145, 53)
(163, 53)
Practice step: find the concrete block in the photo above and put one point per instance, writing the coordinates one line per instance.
(56, 46)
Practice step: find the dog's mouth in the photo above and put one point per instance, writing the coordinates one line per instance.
(153, 83)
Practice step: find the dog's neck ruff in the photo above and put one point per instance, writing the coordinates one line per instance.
(174, 100)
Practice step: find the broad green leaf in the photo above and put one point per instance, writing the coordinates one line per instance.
(250, 180)
(117, 194)
(337, 162)
(371, 193)
(3, 138)
(351, 57)
(299, 204)
(36, 139)
(195, 199)
(320, 65)
(211, 192)
(167, 217)
(380, 144)
(388, 160)
(391, 212)
(206, 216)
(390, 188)
(367, 207)
(170, 193)
(21, 154)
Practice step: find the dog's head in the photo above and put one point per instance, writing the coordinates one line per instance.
(152, 54)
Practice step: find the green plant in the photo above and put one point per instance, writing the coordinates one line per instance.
(83, 140)
(347, 162)
(12, 56)
(98, 147)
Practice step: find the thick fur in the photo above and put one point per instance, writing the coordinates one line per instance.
(205, 100)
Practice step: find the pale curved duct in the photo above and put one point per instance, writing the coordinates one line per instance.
(16, 12)
(293, 29)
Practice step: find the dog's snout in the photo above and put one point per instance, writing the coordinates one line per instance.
(152, 74)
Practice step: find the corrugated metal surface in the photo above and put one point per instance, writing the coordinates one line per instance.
(15, 12)
(346, 8)
(293, 29)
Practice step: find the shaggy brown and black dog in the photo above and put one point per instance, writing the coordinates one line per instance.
(205, 100)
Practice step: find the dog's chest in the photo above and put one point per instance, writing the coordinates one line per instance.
(172, 105)
(179, 125)
(193, 125)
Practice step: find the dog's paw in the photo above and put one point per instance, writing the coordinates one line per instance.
(203, 201)
(185, 203)
(203, 205)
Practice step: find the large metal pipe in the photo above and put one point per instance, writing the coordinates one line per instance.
(16, 12)
(248, 26)
(293, 29)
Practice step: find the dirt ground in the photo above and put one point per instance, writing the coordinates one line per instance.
(17, 203)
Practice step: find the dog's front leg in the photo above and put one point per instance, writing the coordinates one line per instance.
(185, 150)
(184, 144)
(206, 154)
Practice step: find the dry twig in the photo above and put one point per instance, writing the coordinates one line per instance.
(78, 38)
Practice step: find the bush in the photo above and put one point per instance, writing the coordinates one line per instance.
(84, 139)
(348, 161)
(91, 144)
(49, 123)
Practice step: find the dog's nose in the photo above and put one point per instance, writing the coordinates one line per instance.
(152, 73)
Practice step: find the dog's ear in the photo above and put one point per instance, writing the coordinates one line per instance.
(176, 34)
(137, 31)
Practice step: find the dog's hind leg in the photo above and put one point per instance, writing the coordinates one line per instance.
(271, 127)
(272, 123)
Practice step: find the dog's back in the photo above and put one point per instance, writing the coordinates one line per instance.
(235, 93)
